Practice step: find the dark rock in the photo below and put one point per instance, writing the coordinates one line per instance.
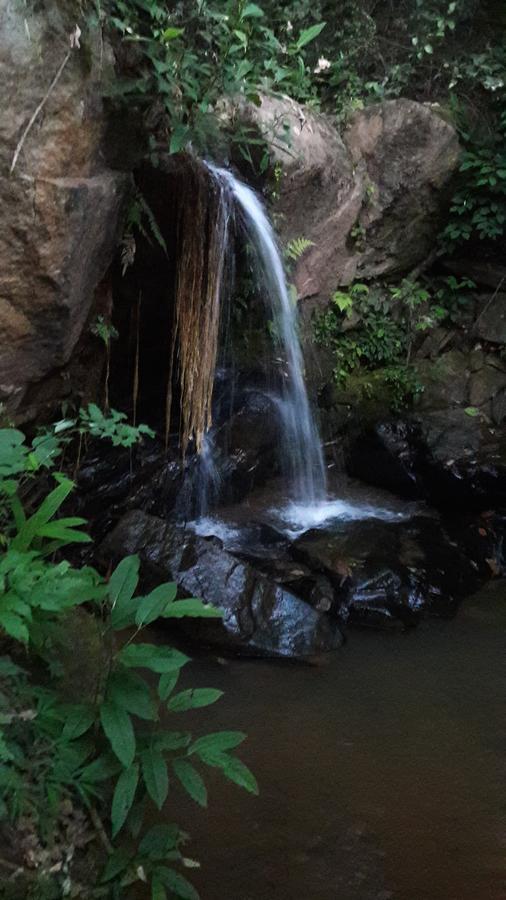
(390, 573)
(445, 381)
(450, 458)
(261, 618)
(485, 384)
(384, 455)
(491, 323)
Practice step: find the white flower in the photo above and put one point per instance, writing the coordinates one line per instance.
(289, 27)
(322, 65)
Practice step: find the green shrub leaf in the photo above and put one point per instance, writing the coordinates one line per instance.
(119, 730)
(176, 883)
(190, 780)
(123, 797)
(193, 698)
(147, 656)
(156, 779)
(153, 606)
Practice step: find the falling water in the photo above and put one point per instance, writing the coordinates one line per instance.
(302, 451)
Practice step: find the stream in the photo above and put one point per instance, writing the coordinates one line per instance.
(382, 772)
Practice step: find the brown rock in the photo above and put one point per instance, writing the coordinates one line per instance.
(61, 204)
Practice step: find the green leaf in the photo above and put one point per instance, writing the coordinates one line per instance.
(147, 656)
(123, 582)
(166, 684)
(156, 779)
(118, 861)
(119, 730)
(309, 34)
(157, 890)
(154, 604)
(234, 770)
(14, 626)
(171, 33)
(472, 411)
(192, 607)
(179, 138)
(101, 769)
(47, 509)
(193, 698)
(190, 780)
(157, 842)
(218, 742)
(123, 797)
(10, 668)
(78, 721)
(13, 453)
(252, 11)
(133, 693)
(176, 883)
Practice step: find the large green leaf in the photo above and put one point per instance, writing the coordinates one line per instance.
(13, 452)
(217, 742)
(156, 778)
(157, 842)
(167, 684)
(123, 797)
(193, 698)
(78, 721)
(309, 34)
(123, 581)
(14, 626)
(133, 693)
(119, 730)
(176, 883)
(191, 780)
(154, 604)
(47, 509)
(147, 656)
(192, 607)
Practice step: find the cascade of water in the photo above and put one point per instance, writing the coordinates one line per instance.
(302, 455)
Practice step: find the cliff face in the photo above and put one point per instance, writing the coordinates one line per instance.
(60, 205)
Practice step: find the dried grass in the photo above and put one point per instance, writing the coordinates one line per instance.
(202, 249)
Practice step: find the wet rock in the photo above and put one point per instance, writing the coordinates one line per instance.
(450, 458)
(385, 455)
(389, 574)
(61, 206)
(114, 479)
(248, 444)
(261, 618)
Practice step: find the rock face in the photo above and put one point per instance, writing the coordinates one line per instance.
(371, 200)
(61, 205)
(260, 618)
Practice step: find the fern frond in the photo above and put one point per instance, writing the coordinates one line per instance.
(297, 247)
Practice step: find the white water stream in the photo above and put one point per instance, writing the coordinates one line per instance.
(301, 450)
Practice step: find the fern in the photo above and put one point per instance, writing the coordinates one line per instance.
(297, 247)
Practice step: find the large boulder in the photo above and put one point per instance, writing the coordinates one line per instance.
(370, 200)
(61, 204)
(260, 617)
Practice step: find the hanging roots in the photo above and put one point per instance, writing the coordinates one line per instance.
(202, 248)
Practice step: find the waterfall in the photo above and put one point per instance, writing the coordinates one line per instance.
(301, 449)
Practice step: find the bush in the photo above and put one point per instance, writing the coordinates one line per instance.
(107, 751)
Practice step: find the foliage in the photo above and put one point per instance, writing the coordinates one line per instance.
(296, 248)
(192, 56)
(112, 741)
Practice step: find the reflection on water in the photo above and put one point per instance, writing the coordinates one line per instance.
(382, 773)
